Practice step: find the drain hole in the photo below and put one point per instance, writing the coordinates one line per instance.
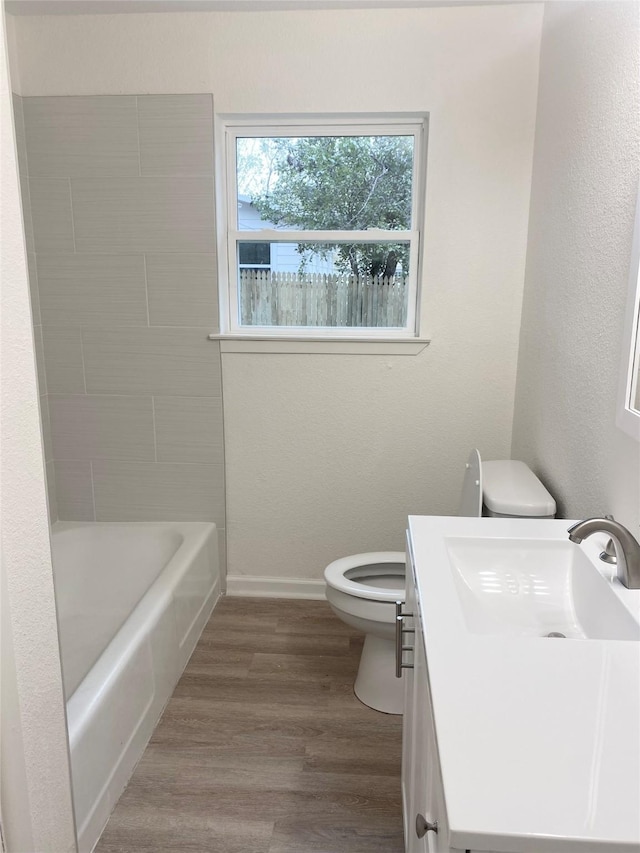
(556, 634)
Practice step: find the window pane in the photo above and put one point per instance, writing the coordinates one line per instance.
(326, 183)
(352, 285)
(256, 254)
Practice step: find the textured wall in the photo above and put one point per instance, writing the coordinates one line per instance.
(585, 179)
(36, 787)
(326, 455)
(121, 236)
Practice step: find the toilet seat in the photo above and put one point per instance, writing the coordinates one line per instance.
(348, 575)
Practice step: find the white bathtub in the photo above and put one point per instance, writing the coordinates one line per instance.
(132, 601)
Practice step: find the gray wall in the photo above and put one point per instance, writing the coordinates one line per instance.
(119, 215)
(585, 179)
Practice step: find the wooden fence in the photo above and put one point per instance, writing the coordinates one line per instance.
(298, 299)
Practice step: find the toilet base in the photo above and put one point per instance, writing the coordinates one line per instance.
(376, 683)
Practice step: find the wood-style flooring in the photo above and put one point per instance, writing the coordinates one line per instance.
(263, 748)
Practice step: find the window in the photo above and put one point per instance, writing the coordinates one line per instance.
(256, 256)
(322, 236)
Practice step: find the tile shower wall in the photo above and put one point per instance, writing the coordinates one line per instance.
(119, 214)
(35, 305)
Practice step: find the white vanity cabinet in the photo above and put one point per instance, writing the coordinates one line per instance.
(510, 738)
(422, 793)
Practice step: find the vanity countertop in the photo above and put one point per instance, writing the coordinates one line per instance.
(539, 738)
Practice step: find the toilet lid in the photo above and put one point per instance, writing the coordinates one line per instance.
(471, 501)
(377, 576)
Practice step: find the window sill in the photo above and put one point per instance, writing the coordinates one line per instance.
(320, 346)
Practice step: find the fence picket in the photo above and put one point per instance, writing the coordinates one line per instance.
(270, 298)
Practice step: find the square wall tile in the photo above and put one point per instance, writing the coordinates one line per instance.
(51, 214)
(183, 290)
(127, 491)
(90, 136)
(167, 362)
(176, 134)
(92, 290)
(74, 491)
(189, 429)
(143, 214)
(63, 361)
(93, 427)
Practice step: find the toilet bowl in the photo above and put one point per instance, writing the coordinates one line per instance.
(363, 589)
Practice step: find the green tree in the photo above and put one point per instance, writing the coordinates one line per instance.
(334, 183)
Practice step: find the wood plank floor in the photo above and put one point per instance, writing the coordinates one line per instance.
(263, 748)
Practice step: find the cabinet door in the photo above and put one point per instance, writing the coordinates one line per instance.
(428, 799)
(421, 778)
(408, 719)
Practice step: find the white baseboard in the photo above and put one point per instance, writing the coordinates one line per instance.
(275, 587)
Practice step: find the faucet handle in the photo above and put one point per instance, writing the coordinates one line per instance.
(609, 553)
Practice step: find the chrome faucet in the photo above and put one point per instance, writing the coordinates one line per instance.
(627, 548)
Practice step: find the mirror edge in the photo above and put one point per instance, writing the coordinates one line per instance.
(628, 418)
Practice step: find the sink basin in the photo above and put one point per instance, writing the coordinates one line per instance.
(536, 588)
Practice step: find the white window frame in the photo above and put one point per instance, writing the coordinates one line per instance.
(228, 129)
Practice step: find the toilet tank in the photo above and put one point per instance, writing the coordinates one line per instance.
(511, 489)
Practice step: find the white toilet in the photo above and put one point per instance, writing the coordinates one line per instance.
(363, 589)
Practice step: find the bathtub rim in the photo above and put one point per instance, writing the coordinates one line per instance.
(113, 659)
